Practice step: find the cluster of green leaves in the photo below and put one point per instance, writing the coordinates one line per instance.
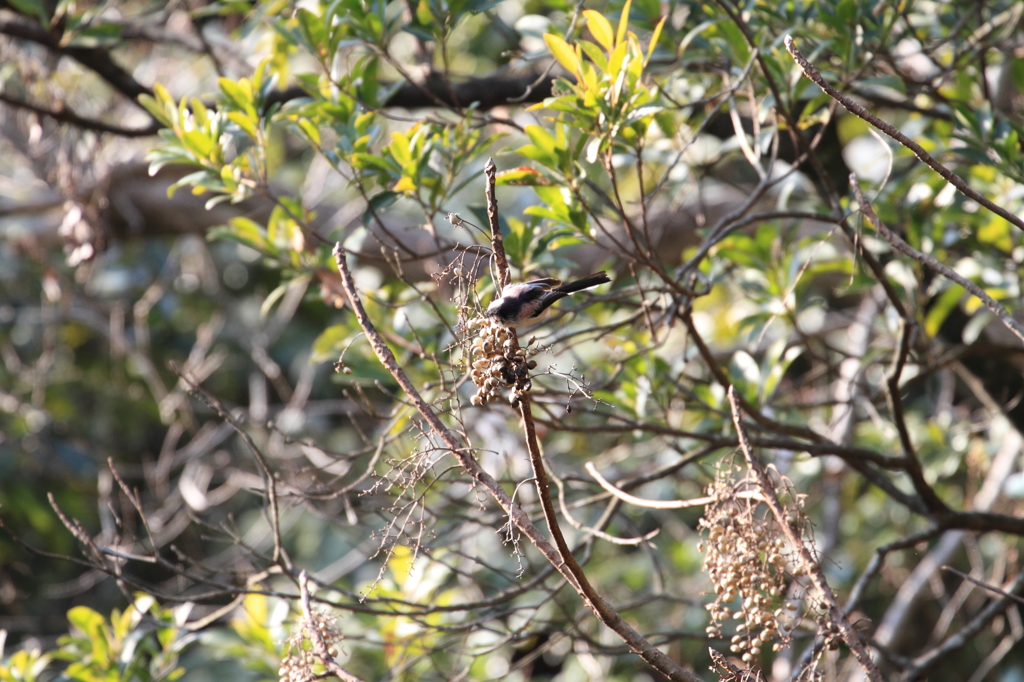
(227, 146)
(141, 644)
(609, 100)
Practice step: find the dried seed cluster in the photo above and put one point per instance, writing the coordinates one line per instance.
(497, 363)
(746, 559)
(300, 663)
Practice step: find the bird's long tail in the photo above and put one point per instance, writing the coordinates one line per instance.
(563, 290)
(585, 283)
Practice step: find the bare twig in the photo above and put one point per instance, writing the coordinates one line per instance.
(817, 576)
(316, 637)
(597, 532)
(497, 246)
(269, 484)
(982, 583)
(952, 178)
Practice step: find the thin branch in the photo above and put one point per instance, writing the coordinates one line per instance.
(497, 246)
(952, 178)
(62, 114)
(597, 532)
(579, 580)
(928, 261)
(857, 593)
(268, 478)
(982, 583)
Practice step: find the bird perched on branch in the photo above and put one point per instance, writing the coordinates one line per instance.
(525, 302)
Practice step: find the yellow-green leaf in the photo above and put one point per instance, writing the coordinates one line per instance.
(562, 52)
(654, 39)
(594, 52)
(199, 111)
(600, 28)
(243, 122)
(198, 142)
(312, 132)
(542, 138)
(400, 149)
(405, 185)
(589, 76)
(623, 22)
(521, 176)
(615, 61)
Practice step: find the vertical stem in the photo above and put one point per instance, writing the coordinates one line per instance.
(497, 246)
(836, 612)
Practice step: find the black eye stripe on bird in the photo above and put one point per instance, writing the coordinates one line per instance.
(525, 302)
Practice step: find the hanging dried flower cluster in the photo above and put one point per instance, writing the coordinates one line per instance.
(496, 363)
(746, 558)
(299, 662)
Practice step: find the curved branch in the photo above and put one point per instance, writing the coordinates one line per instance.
(96, 59)
(639, 501)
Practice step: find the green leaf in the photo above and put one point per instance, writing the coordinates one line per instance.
(244, 122)
(237, 95)
(542, 138)
(562, 52)
(311, 131)
(620, 35)
(941, 308)
(654, 39)
(241, 230)
(594, 52)
(521, 176)
(35, 8)
(313, 31)
(378, 204)
(600, 28)
(101, 35)
(736, 41)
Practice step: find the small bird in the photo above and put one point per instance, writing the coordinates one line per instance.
(526, 302)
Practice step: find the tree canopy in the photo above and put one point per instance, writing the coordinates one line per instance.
(255, 423)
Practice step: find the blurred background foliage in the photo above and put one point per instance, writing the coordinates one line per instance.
(173, 177)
